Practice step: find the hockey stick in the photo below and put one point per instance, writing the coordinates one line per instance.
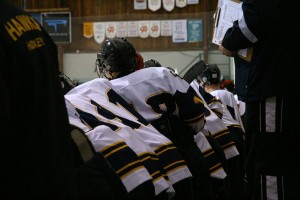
(196, 70)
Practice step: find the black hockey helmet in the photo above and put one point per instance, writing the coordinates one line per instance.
(115, 55)
(212, 75)
(151, 63)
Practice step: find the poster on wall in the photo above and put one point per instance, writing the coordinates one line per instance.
(133, 29)
(179, 31)
(166, 27)
(195, 30)
(58, 25)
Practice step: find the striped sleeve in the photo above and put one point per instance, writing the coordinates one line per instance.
(123, 159)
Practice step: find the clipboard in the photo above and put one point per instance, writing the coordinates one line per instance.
(226, 13)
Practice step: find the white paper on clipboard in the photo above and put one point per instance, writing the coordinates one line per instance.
(227, 12)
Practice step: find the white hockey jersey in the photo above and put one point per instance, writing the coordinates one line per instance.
(97, 104)
(231, 112)
(158, 91)
(129, 169)
(217, 128)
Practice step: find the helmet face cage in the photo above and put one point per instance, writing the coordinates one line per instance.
(210, 76)
(101, 69)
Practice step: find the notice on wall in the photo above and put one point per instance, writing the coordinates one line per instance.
(195, 30)
(179, 31)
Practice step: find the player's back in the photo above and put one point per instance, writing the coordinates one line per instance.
(99, 105)
(158, 91)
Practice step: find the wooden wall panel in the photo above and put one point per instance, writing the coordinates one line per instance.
(123, 10)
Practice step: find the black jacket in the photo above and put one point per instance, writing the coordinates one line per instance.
(35, 142)
(272, 27)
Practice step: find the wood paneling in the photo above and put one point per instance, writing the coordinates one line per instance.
(123, 10)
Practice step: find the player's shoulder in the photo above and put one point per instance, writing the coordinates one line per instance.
(97, 84)
(150, 74)
(152, 71)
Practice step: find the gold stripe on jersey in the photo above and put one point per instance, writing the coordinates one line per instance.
(213, 99)
(228, 145)
(212, 103)
(215, 168)
(156, 159)
(195, 119)
(164, 147)
(156, 176)
(107, 151)
(131, 171)
(220, 133)
(212, 160)
(128, 166)
(151, 165)
(224, 139)
(234, 126)
(144, 156)
(174, 166)
(198, 100)
(169, 157)
(122, 158)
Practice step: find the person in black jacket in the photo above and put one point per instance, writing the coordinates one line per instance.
(36, 147)
(272, 28)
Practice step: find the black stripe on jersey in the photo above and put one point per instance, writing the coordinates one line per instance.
(212, 160)
(224, 139)
(211, 100)
(151, 165)
(110, 148)
(231, 111)
(116, 99)
(156, 159)
(175, 166)
(156, 176)
(93, 121)
(122, 158)
(169, 157)
(109, 115)
(218, 112)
